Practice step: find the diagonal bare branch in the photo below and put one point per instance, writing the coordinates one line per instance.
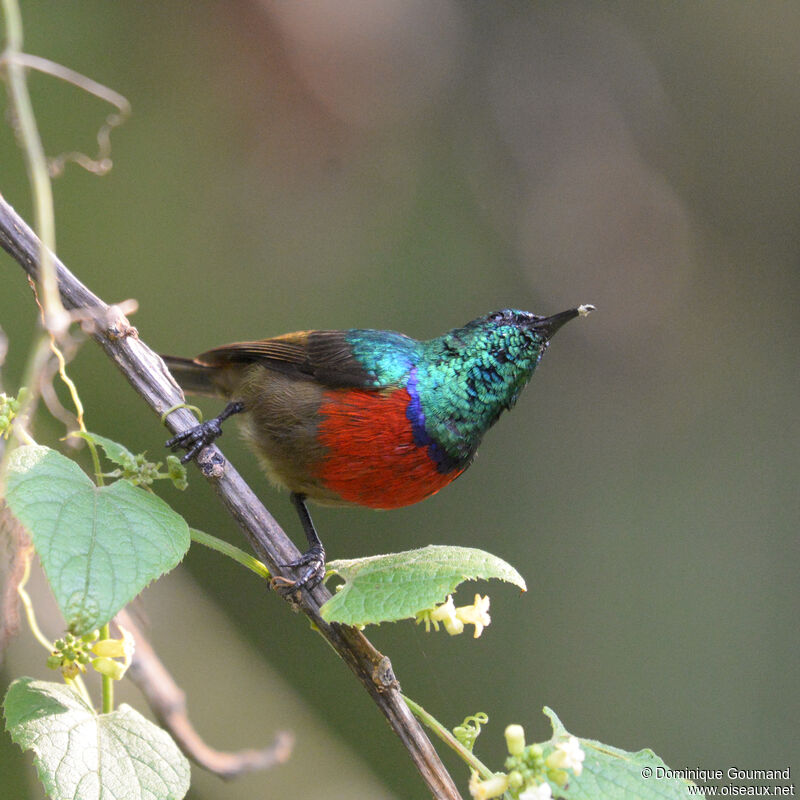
(148, 375)
(168, 702)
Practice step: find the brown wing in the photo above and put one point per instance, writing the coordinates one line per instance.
(324, 356)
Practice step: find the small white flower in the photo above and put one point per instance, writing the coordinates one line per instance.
(540, 792)
(477, 614)
(491, 787)
(446, 614)
(567, 755)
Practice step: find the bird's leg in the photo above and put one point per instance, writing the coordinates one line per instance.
(203, 434)
(314, 558)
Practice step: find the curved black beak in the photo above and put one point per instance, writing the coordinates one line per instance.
(547, 326)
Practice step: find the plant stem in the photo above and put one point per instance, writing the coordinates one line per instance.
(27, 603)
(107, 683)
(230, 550)
(447, 737)
(30, 615)
(56, 318)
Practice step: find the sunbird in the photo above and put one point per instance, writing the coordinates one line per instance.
(366, 417)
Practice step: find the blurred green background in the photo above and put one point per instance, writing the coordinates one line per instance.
(411, 165)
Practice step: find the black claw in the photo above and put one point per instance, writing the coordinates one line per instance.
(314, 560)
(195, 439)
(203, 434)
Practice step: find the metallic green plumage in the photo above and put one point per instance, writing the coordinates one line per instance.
(363, 417)
(462, 381)
(469, 376)
(458, 384)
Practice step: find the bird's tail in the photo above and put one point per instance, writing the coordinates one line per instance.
(193, 377)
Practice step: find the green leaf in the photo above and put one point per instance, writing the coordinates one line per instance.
(99, 546)
(613, 774)
(115, 452)
(82, 754)
(400, 585)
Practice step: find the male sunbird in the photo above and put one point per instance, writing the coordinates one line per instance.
(366, 417)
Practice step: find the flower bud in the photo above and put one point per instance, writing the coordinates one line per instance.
(515, 780)
(515, 739)
(109, 667)
(112, 648)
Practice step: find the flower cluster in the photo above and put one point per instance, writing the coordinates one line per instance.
(9, 406)
(454, 619)
(530, 774)
(566, 756)
(72, 654)
(141, 472)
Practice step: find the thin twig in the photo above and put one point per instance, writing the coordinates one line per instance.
(102, 163)
(148, 375)
(168, 702)
(13, 545)
(56, 320)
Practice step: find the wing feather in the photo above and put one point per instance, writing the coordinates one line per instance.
(324, 356)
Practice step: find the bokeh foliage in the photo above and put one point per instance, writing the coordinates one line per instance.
(412, 167)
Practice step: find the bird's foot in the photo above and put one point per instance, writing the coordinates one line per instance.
(195, 439)
(314, 562)
(203, 434)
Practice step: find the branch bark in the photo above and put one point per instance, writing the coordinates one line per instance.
(168, 702)
(149, 376)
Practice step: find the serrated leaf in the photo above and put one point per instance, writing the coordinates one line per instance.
(82, 754)
(397, 586)
(613, 774)
(99, 546)
(115, 452)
